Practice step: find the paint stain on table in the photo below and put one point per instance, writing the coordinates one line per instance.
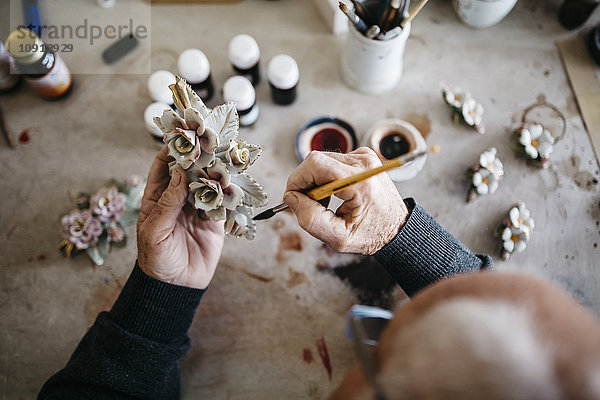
(296, 278)
(24, 137)
(583, 179)
(324, 355)
(370, 282)
(288, 241)
(421, 122)
(307, 356)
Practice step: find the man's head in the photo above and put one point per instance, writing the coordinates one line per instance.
(489, 335)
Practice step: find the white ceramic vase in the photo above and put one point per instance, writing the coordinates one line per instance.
(482, 13)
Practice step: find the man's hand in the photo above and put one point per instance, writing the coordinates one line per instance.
(174, 244)
(372, 213)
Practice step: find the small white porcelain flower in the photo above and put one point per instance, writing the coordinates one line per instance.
(455, 97)
(537, 141)
(514, 240)
(491, 162)
(485, 182)
(108, 204)
(520, 218)
(239, 155)
(472, 113)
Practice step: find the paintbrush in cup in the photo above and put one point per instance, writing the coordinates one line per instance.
(331, 188)
(413, 13)
(358, 23)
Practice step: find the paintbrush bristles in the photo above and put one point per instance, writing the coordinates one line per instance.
(343, 7)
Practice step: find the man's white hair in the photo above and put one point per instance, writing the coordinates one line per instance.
(467, 348)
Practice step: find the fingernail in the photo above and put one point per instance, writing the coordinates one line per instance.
(291, 200)
(176, 178)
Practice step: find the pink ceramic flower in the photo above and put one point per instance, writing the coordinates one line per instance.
(108, 204)
(81, 229)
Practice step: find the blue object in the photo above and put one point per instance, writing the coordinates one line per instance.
(31, 13)
(360, 311)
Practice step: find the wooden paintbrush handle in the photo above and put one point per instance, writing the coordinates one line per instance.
(321, 192)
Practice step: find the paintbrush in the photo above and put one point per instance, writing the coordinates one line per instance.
(4, 130)
(358, 23)
(372, 32)
(389, 15)
(362, 12)
(324, 191)
(413, 13)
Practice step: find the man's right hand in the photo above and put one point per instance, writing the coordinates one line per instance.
(371, 215)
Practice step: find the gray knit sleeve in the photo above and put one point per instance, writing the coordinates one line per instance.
(423, 252)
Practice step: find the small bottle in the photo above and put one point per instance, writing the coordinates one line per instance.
(155, 110)
(573, 13)
(43, 70)
(195, 69)
(244, 55)
(240, 91)
(283, 75)
(9, 77)
(158, 86)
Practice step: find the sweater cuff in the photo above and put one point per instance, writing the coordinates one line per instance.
(423, 252)
(155, 309)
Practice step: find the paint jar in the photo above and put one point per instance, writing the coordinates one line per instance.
(283, 75)
(239, 90)
(9, 77)
(373, 66)
(392, 138)
(43, 69)
(244, 55)
(195, 69)
(158, 86)
(482, 13)
(325, 133)
(155, 110)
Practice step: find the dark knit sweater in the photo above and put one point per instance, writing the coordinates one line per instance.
(133, 350)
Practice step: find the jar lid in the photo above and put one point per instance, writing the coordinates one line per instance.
(193, 66)
(243, 51)
(154, 110)
(21, 39)
(283, 72)
(158, 86)
(240, 91)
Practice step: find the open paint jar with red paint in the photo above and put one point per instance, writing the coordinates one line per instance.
(325, 133)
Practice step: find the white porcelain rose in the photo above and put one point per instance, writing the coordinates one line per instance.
(205, 144)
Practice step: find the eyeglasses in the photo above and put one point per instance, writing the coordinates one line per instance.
(364, 327)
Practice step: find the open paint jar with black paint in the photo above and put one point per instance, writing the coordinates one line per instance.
(325, 134)
(393, 138)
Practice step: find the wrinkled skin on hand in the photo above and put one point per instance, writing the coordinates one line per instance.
(174, 244)
(371, 215)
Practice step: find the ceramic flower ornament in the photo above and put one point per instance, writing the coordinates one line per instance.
(205, 144)
(485, 176)
(464, 107)
(99, 219)
(535, 142)
(515, 231)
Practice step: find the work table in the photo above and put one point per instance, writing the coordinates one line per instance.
(272, 299)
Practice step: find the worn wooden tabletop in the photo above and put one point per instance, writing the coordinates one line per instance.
(277, 302)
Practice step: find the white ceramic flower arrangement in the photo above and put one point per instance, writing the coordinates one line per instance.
(98, 222)
(206, 145)
(515, 231)
(534, 142)
(463, 107)
(484, 176)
